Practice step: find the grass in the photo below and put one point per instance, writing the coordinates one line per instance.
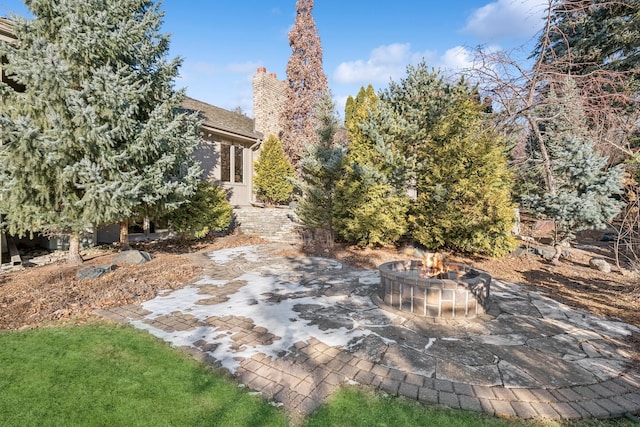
(101, 375)
(354, 407)
(106, 375)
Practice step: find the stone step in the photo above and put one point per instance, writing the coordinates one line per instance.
(274, 224)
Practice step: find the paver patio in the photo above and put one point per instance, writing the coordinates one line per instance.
(296, 328)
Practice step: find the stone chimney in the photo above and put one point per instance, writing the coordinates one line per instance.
(269, 98)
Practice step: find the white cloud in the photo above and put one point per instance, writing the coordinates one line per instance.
(456, 58)
(507, 19)
(385, 62)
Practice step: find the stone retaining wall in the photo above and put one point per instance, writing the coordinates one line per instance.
(275, 224)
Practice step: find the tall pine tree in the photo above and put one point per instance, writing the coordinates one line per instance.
(321, 168)
(591, 34)
(97, 135)
(307, 83)
(597, 44)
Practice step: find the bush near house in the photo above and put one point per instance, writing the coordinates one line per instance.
(274, 173)
(208, 210)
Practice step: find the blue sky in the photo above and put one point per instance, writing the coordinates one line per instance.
(222, 43)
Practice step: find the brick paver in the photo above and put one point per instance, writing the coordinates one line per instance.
(408, 390)
(427, 395)
(524, 410)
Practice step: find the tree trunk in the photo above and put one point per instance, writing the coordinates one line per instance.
(146, 226)
(124, 235)
(556, 256)
(74, 257)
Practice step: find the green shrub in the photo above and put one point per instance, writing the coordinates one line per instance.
(371, 210)
(208, 210)
(274, 172)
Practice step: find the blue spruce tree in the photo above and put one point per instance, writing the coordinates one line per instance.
(584, 190)
(96, 136)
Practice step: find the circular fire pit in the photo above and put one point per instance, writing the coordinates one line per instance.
(458, 291)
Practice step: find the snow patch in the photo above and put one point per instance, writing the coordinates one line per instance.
(253, 301)
(224, 256)
(429, 344)
(208, 280)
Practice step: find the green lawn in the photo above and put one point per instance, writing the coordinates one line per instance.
(106, 375)
(353, 407)
(103, 375)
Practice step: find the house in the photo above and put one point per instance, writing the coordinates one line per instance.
(231, 140)
(228, 149)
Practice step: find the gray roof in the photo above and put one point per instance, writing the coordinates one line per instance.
(217, 118)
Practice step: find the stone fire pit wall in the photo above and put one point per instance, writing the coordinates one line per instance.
(455, 294)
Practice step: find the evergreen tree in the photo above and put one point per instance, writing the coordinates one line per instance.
(597, 44)
(96, 137)
(594, 34)
(372, 211)
(464, 186)
(584, 196)
(321, 167)
(307, 83)
(274, 173)
(357, 111)
(459, 165)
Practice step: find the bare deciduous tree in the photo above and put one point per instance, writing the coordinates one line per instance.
(606, 91)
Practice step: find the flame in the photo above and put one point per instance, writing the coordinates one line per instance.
(433, 264)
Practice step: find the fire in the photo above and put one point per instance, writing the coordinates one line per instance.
(433, 264)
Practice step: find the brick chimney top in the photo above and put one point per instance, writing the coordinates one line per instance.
(272, 75)
(262, 70)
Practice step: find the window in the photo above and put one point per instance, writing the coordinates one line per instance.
(237, 163)
(225, 163)
(231, 163)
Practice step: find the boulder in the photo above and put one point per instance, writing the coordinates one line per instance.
(546, 252)
(91, 272)
(132, 257)
(600, 264)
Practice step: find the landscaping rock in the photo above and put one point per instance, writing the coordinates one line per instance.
(523, 251)
(91, 272)
(546, 252)
(600, 264)
(132, 257)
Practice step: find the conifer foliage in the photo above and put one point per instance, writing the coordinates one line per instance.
(372, 210)
(273, 173)
(458, 162)
(307, 83)
(584, 195)
(96, 137)
(463, 185)
(321, 168)
(207, 210)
